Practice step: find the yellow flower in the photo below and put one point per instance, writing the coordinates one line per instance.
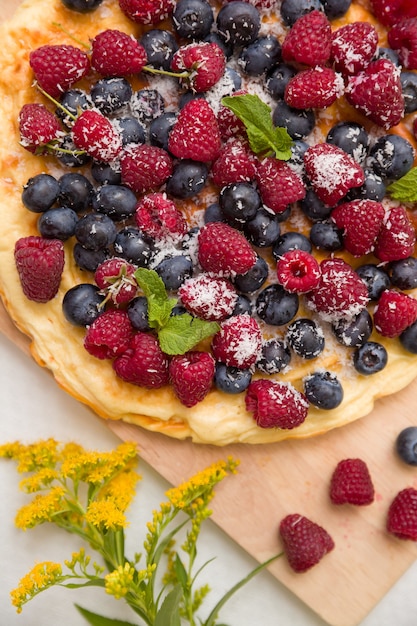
(32, 457)
(118, 582)
(121, 489)
(105, 514)
(97, 467)
(41, 509)
(37, 481)
(42, 576)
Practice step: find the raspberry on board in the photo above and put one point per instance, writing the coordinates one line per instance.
(58, 67)
(115, 53)
(191, 375)
(402, 515)
(224, 250)
(143, 363)
(394, 312)
(351, 483)
(309, 40)
(276, 404)
(195, 135)
(39, 263)
(109, 335)
(305, 542)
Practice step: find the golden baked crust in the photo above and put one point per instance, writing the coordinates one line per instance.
(220, 419)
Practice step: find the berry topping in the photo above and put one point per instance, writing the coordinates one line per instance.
(361, 221)
(351, 483)
(353, 47)
(145, 168)
(39, 263)
(195, 135)
(204, 60)
(235, 163)
(391, 11)
(309, 40)
(94, 133)
(147, 11)
(158, 217)
(191, 375)
(298, 271)
(38, 128)
(402, 515)
(238, 23)
(323, 389)
(109, 335)
(143, 363)
(276, 405)
(208, 297)
(115, 279)
(57, 68)
(370, 358)
(305, 542)
(315, 88)
(403, 38)
(114, 53)
(306, 338)
(394, 312)
(224, 250)
(397, 237)
(238, 342)
(279, 185)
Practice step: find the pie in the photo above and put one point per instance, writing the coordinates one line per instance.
(220, 418)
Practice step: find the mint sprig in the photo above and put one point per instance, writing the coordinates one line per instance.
(405, 188)
(176, 333)
(263, 136)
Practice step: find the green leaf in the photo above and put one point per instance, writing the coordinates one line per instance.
(159, 305)
(262, 134)
(99, 620)
(180, 572)
(168, 614)
(182, 332)
(405, 189)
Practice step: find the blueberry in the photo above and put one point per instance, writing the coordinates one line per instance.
(174, 270)
(372, 189)
(254, 278)
(404, 273)
(110, 94)
(291, 10)
(335, 8)
(82, 6)
(263, 230)
(370, 358)
(75, 191)
(291, 240)
(276, 306)
(213, 213)
(260, 56)
(239, 203)
(409, 88)
(188, 178)
(192, 19)
(352, 138)
(391, 157)
(306, 338)
(353, 333)
(105, 173)
(131, 130)
(275, 356)
(323, 390)
(160, 129)
(296, 161)
(375, 279)
(226, 46)
(69, 155)
(58, 223)
(298, 122)
(89, 260)
(115, 201)
(231, 379)
(130, 244)
(146, 105)
(243, 305)
(73, 101)
(81, 304)
(40, 192)
(326, 236)
(160, 46)
(406, 445)
(95, 231)
(408, 338)
(137, 311)
(238, 23)
(313, 207)
(187, 96)
(234, 77)
(278, 79)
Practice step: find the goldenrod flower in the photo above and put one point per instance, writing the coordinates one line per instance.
(118, 582)
(105, 514)
(97, 467)
(32, 457)
(42, 576)
(38, 481)
(41, 509)
(121, 489)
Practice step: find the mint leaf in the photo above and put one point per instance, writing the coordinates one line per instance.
(183, 332)
(262, 134)
(159, 305)
(405, 189)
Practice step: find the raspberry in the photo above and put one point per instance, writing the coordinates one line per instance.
(340, 294)
(397, 237)
(238, 342)
(147, 11)
(191, 375)
(39, 263)
(376, 92)
(315, 88)
(115, 278)
(145, 168)
(353, 47)
(394, 312)
(351, 483)
(205, 61)
(235, 164)
(402, 515)
(298, 271)
(305, 542)
(224, 250)
(57, 68)
(309, 40)
(208, 297)
(403, 38)
(230, 125)
(195, 135)
(332, 172)
(279, 185)
(114, 53)
(276, 405)
(361, 221)
(94, 133)
(158, 217)
(38, 128)
(109, 335)
(391, 11)
(143, 363)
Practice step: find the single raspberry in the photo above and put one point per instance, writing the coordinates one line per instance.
(224, 250)
(208, 297)
(235, 164)
(353, 47)
(94, 133)
(332, 172)
(205, 63)
(305, 542)
(115, 53)
(394, 312)
(340, 294)
(230, 125)
(377, 93)
(315, 88)
(40, 263)
(351, 483)
(158, 217)
(360, 221)
(309, 40)
(275, 404)
(147, 11)
(191, 375)
(298, 271)
(402, 515)
(403, 38)
(397, 237)
(109, 335)
(57, 68)
(115, 278)
(38, 128)
(145, 168)
(238, 342)
(195, 135)
(143, 363)
(391, 11)
(279, 185)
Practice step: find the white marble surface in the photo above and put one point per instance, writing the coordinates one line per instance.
(33, 407)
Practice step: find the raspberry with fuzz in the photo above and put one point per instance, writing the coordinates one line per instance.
(39, 263)
(191, 375)
(298, 271)
(109, 335)
(143, 363)
(58, 67)
(309, 40)
(224, 250)
(275, 404)
(394, 312)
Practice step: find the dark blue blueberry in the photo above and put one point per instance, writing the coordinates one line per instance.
(105, 173)
(95, 231)
(354, 333)
(234, 77)
(296, 161)
(260, 56)
(75, 191)
(137, 311)
(146, 105)
(187, 96)
(263, 230)
(375, 279)
(352, 138)
(306, 338)
(387, 53)
(278, 79)
(131, 130)
(243, 305)
(82, 6)
(275, 356)
(160, 129)
(178, 310)
(116, 201)
(81, 304)
(110, 94)
(89, 260)
(238, 23)
(130, 244)
(298, 122)
(276, 306)
(40, 192)
(408, 338)
(291, 10)
(291, 240)
(174, 270)
(69, 155)
(58, 223)
(370, 358)
(313, 207)
(409, 88)
(335, 8)
(323, 390)
(326, 236)
(188, 178)
(406, 445)
(192, 19)
(73, 101)
(239, 203)
(391, 157)
(160, 46)
(254, 278)
(213, 213)
(231, 379)
(404, 273)
(372, 189)
(226, 46)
